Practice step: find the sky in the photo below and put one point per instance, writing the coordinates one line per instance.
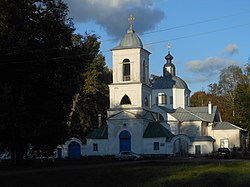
(205, 35)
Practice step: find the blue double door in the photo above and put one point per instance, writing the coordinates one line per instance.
(125, 141)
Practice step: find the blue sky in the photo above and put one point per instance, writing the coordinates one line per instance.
(205, 35)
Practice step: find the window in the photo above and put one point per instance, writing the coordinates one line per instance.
(125, 100)
(171, 100)
(156, 146)
(95, 147)
(126, 70)
(224, 143)
(162, 98)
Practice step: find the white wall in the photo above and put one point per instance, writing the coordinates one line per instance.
(178, 97)
(206, 147)
(191, 128)
(164, 147)
(135, 127)
(233, 136)
(102, 145)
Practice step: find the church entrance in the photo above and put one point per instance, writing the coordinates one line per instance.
(74, 150)
(125, 141)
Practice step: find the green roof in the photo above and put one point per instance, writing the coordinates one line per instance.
(156, 130)
(100, 133)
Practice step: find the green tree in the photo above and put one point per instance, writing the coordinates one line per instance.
(229, 78)
(242, 106)
(242, 101)
(40, 73)
(93, 99)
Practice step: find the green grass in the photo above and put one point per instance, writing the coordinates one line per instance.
(226, 174)
(160, 173)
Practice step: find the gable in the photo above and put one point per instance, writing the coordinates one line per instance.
(125, 115)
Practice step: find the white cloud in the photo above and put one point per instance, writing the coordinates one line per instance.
(210, 66)
(231, 49)
(198, 79)
(113, 15)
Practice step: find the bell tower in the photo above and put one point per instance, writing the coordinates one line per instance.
(130, 61)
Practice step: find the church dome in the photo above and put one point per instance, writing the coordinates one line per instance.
(169, 82)
(169, 57)
(130, 40)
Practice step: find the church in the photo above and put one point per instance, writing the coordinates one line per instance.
(153, 118)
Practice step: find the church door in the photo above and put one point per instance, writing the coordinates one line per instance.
(125, 141)
(74, 150)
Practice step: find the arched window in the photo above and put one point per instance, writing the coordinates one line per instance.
(126, 70)
(125, 100)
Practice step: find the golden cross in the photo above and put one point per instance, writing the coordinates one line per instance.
(131, 20)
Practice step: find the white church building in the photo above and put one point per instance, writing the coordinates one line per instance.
(153, 118)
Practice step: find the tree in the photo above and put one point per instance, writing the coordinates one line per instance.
(242, 101)
(242, 106)
(229, 78)
(40, 72)
(94, 98)
(199, 98)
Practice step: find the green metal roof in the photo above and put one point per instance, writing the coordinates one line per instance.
(156, 130)
(100, 133)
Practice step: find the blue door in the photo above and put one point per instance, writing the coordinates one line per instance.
(125, 141)
(74, 150)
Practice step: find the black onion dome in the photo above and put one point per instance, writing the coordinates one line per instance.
(169, 57)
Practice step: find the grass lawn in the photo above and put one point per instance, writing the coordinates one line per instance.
(167, 172)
